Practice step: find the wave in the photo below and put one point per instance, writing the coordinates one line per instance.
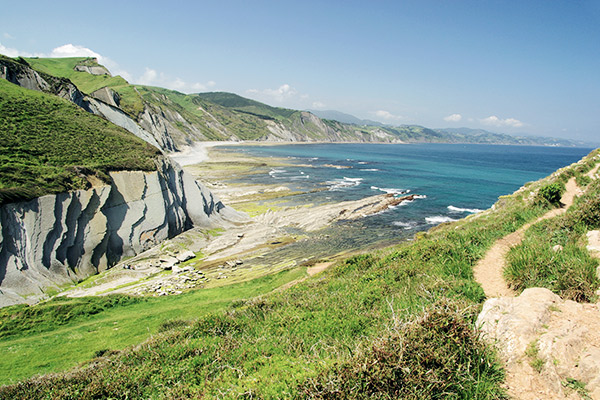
(344, 183)
(363, 162)
(463, 210)
(370, 169)
(391, 190)
(295, 178)
(275, 171)
(438, 219)
(405, 225)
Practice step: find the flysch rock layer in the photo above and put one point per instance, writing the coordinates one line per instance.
(56, 240)
(538, 325)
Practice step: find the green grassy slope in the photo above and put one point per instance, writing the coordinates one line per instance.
(200, 113)
(398, 323)
(568, 270)
(239, 103)
(131, 101)
(63, 332)
(47, 144)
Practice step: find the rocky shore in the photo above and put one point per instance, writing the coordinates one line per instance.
(204, 258)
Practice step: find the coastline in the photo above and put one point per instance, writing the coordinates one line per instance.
(276, 236)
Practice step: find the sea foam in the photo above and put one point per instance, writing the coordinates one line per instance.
(391, 190)
(339, 184)
(463, 210)
(438, 219)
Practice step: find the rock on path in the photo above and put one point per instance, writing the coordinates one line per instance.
(566, 335)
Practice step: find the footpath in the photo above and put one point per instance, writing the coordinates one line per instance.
(550, 346)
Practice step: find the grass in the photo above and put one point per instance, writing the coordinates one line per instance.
(578, 387)
(131, 101)
(568, 270)
(283, 343)
(61, 333)
(49, 145)
(532, 352)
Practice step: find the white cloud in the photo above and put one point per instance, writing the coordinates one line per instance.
(7, 51)
(71, 50)
(318, 104)
(151, 77)
(198, 86)
(282, 93)
(8, 36)
(493, 120)
(386, 115)
(453, 118)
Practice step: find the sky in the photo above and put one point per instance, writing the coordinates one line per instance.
(506, 66)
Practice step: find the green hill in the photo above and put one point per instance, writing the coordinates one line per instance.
(182, 119)
(131, 101)
(49, 145)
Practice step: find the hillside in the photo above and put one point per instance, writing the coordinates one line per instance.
(49, 145)
(78, 193)
(175, 120)
(398, 323)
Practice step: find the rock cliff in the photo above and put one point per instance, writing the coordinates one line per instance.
(56, 240)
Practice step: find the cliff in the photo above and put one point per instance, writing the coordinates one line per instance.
(77, 193)
(59, 239)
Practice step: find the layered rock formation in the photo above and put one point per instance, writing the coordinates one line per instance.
(55, 240)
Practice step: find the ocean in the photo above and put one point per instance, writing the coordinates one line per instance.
(451, 181)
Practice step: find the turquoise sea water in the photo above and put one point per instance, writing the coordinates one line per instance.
(452, 181)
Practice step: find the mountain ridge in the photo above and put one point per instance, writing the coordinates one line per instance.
(177, 120)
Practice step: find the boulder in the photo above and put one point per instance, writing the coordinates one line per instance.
(185, 256)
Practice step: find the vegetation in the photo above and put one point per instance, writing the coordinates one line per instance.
(553, 254)
(287, 342)
(49, 145)
(64, 332)
(130, 100)
(551, 192)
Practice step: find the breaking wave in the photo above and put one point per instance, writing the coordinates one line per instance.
(463, 210)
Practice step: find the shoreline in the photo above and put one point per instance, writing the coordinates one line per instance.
(275, 236)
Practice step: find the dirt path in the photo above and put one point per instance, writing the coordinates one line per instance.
(488, 271)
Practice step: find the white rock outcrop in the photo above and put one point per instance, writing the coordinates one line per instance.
(56, 240)
(560, 338)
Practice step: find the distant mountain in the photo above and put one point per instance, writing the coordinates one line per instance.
(172, 120)
(482, 136)
(343, 117)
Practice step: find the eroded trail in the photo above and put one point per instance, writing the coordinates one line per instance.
(488, 271)
(544, 342)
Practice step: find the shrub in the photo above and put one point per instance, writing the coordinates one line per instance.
(551, 192)
(437, 356)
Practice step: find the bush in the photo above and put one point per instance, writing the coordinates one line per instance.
(437, 356)
(551, 192)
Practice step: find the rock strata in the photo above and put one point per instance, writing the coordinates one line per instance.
(56, 240)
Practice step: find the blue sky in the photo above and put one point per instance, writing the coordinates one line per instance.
(506, 66)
